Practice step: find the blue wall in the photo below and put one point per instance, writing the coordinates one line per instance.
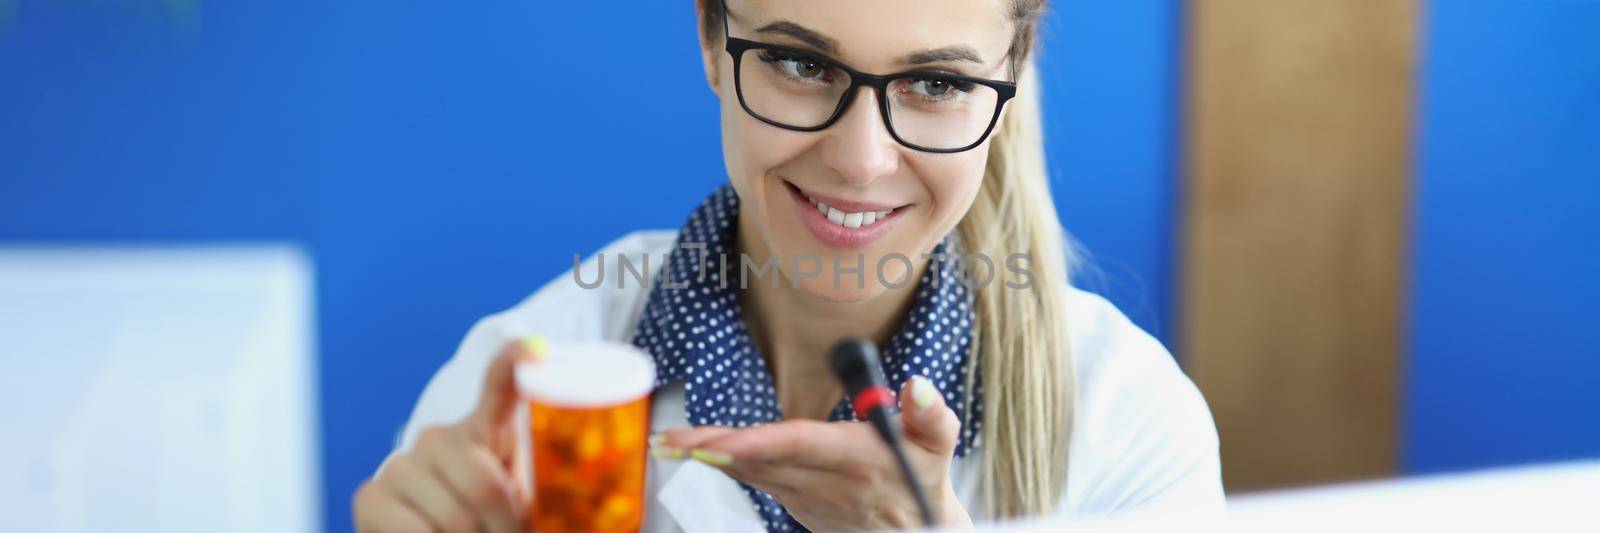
(1112, 76)
(437, 167)
(1505, 362)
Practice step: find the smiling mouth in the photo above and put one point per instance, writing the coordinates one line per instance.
(840, 217)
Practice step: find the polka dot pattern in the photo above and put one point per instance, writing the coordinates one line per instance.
(693, 328)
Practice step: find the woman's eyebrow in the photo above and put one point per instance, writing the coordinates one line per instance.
(831, 46)
(939, 55)
(811, 37)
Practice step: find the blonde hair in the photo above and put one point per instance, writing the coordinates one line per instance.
(1021, 334)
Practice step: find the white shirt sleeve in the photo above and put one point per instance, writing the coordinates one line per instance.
(1143, 437)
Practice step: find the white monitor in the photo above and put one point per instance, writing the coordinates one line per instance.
(157, 389)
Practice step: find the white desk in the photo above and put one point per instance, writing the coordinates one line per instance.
(1546, 498)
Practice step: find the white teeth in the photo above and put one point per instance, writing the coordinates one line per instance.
(849, 220)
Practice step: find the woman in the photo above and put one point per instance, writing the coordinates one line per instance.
(878, 201)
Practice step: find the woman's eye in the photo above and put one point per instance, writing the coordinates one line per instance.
(939, 88)
(797, 66)
(804, 69)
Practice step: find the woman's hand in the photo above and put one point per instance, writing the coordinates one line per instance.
(460, 477)
(836, 476)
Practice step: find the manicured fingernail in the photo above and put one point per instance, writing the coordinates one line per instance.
(666, 453)
(923, 392)
(657, 440)
(536, 345)
(713, 458)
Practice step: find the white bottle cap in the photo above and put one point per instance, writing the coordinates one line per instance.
(587, 374)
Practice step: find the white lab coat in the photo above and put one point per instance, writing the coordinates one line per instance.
(1143, 436)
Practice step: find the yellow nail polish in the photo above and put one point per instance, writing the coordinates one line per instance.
(657, 440)
(666, 453)
(713, 458)
(923, 392)
(536, 345)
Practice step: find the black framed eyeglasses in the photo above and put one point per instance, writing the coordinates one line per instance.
(925, 110)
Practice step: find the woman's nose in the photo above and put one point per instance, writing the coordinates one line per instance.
(858, 146)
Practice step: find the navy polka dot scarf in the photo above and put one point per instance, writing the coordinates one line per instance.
(693, 327)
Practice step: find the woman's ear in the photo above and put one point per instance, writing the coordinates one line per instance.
(708, 48)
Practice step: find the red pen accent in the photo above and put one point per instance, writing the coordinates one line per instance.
(870, 398)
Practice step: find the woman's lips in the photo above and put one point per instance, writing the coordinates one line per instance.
(840, 223)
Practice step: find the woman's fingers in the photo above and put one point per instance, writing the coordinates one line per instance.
(378, 509)
(765, 458)
(417, 487)
(782, 480)
(685, 439)
(929, 425)
(807, 443)
(479, 482)
(462, 477)
(928, 422)
(521, 465)
(823, 471)
(499, 398)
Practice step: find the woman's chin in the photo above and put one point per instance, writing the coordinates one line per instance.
(846, 291)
